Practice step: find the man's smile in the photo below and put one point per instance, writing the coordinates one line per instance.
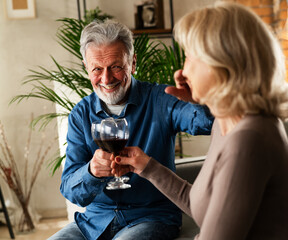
(110, 86)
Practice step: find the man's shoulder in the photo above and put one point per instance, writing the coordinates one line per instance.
(84, 103)
(145, 87)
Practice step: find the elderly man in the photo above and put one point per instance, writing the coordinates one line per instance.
(154, 118)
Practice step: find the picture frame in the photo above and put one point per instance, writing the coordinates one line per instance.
(20, 9)
(149, 15)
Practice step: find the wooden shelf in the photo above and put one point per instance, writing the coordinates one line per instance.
(152, 31)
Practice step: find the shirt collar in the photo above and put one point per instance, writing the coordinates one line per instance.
(132, 99)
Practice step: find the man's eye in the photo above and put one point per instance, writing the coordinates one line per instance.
(116, 68)
(97, 69)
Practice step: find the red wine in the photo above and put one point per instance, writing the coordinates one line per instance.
(113, 145)
(100, 144)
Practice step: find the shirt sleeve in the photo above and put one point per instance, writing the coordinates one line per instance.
(194, 119)
(78, 185)
(171, 185)
(238, 184)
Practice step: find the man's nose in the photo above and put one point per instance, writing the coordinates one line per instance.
(107, 76)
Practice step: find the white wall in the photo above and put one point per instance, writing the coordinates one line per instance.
(124, 10)
(28, 43)
(25, 44)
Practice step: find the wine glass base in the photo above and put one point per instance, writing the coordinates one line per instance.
(117, 185)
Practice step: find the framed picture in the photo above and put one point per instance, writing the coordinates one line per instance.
(149, 15)
(19, 9)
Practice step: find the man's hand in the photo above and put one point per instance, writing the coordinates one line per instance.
(100, 165)
(182, 90)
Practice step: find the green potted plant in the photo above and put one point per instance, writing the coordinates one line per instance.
(156, 62)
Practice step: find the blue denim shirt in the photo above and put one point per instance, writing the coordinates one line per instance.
(154, 119)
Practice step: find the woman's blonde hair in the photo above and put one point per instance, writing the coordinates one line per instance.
(244, 54)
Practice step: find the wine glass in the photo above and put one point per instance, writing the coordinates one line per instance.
(112, 135)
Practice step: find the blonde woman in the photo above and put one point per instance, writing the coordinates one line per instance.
(235, 66)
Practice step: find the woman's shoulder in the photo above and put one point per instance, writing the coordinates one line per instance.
(260, 125)
(258, 137)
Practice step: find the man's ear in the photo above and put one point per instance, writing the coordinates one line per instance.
(84, 64)
(134, 64)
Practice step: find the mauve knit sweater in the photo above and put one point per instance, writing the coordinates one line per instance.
(241, 191)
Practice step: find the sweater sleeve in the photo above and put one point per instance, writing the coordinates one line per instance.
(172, 186)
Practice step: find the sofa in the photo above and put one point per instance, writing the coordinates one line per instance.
(188, 169)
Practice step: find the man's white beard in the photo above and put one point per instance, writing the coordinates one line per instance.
(114, 97)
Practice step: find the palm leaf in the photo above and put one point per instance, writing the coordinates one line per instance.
(55, 164)
(45, 119)
(146, 51)
(170, 59)
(69, 34)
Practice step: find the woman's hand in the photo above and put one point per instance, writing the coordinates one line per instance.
(132, 159)
(182, 91)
